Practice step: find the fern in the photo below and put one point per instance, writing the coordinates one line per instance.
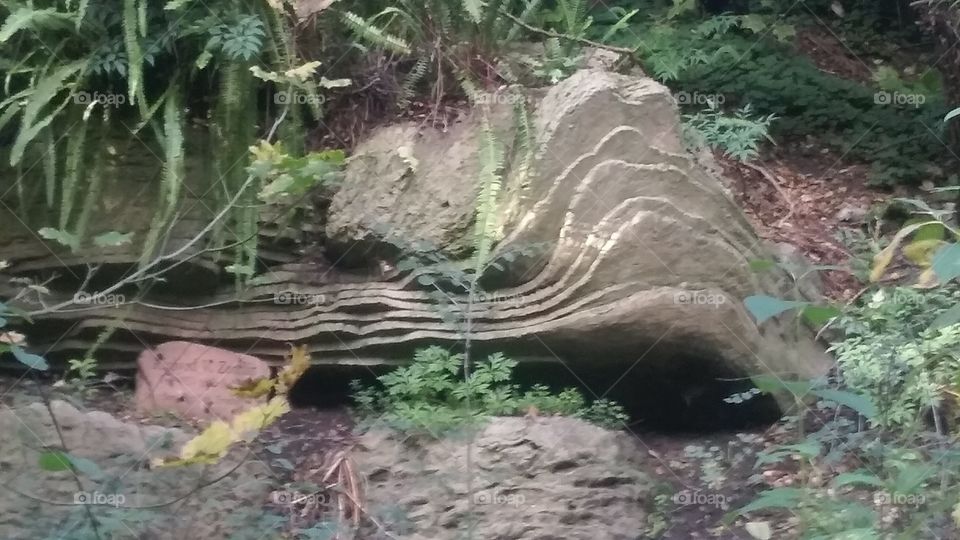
(491, 181)
(410, 82)
(134, 52)
(373, 35)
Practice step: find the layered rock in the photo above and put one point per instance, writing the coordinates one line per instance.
(641, 254)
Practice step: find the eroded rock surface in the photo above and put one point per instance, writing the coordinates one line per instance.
(128, 499)
(531, 478)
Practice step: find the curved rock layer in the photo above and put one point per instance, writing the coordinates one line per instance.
(641, 252)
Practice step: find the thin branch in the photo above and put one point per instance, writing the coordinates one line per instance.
(583, 41)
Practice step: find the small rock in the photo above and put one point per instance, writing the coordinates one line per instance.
(194, 380)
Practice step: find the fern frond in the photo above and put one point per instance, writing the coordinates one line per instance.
(50, 167)
(131, 41)
(43, 93)
(374, 35)
(474, 9)
(409, 87)
(173, 169)
(532, 8)
(523, 143)
(491, 181)
(37, 20)
(73, 170)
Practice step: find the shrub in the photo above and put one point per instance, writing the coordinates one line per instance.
(434, 394)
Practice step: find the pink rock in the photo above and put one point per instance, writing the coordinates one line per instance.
(194, 380)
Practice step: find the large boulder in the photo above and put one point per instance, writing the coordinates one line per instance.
(637, 254)
(527, 478)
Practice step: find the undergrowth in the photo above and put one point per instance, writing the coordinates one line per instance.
(434, 395)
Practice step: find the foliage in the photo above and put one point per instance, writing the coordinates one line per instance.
(897, 369)
(893, 123)
(737, 136)
(96, 72)
(435, 394)
(463, 40)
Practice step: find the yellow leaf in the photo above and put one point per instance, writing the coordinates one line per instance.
(207, 447)
(304, 72)
(921, 252)
(299, 363)
(927, 280)
(253, 420)
(882, 259)
(254, 388)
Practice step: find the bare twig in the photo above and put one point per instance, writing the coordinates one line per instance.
(583, 41)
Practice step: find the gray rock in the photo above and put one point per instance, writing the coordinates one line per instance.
(126, 496)
(531, 478)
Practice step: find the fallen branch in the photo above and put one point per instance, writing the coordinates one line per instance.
(583, 41)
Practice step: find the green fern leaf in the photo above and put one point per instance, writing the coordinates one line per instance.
(33, 19)
(374, 35)
(474, 8)
(134, 51)
(491, 181)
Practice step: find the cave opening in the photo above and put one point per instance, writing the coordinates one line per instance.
(685, 395)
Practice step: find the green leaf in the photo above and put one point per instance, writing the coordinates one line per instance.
(773, 498)
(947, 318)
(771, 383)
(112, 239)
(946, 263)
(86, 467)
(857, 478)
(54, 461)
(764, 307)
(911, 477)
(762, 265)
(30, 360)
(26, 18)
(819, 315)
(63, 238)
(952, 114)
(860, 403)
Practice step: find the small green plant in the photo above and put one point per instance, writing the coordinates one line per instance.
(433, 394)
(737, 136)
(81, 374)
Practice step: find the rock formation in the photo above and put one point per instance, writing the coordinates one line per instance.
(647, 258)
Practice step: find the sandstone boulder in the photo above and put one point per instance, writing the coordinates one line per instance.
(194, 380)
